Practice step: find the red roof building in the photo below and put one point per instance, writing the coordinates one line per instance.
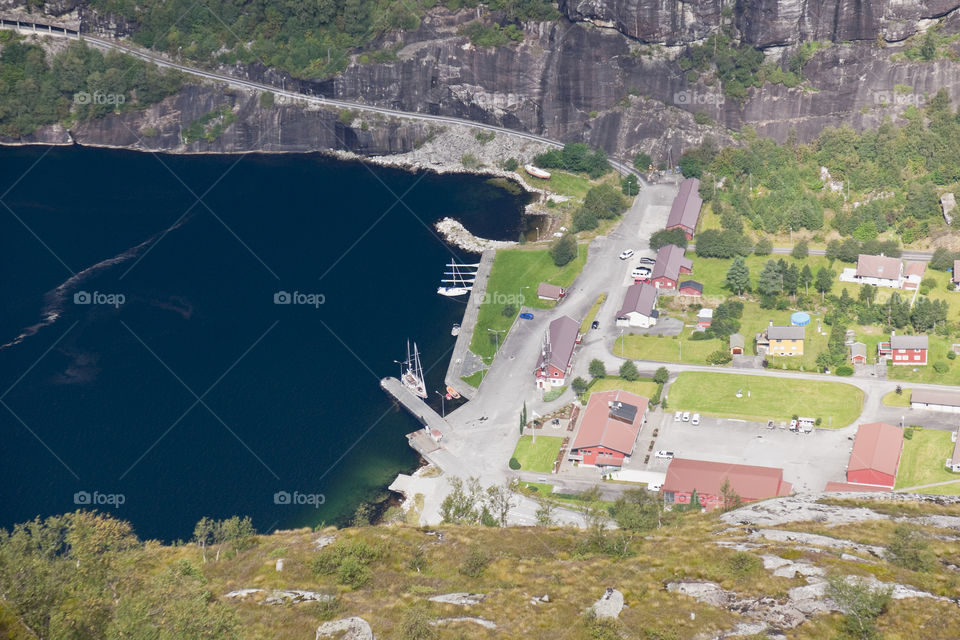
(707, 478)
(904, 350)
(844, 486)
(556, 352)
(609, 428)
(685, 211)
(671, 264)
(876, 455)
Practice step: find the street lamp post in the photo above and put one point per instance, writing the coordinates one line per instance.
(443, 410)
(497, 334)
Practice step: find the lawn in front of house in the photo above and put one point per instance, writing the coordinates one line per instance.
(644, 387)
(923, 460)
(514, 278)
(537, 456)
(766, 398)
(894, 399)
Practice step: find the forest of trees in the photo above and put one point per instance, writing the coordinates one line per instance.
(306, 39)
(80, 83)
(895, 173)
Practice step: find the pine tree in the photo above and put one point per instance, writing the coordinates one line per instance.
(824, 282)
(738, 276)
(806, 278)
(769, 282)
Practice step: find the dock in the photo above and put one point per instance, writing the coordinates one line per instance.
(423, 441)
(461, 351)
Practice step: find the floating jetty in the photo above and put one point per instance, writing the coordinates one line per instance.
(425, 440)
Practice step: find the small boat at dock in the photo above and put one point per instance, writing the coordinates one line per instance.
(453, 393)
(455, 330)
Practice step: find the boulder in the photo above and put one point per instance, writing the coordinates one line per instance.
(609, 605)
(346, 629)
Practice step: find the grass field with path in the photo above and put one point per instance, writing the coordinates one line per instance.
(537, 456)
(923, 461)
(592, 313)
(643, 387)
(769, 398)
(514, 278)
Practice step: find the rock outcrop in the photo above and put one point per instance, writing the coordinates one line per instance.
(346, 629)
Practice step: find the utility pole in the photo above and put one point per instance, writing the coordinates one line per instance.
(443, 410)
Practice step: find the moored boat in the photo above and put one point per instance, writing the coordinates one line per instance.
(453, 393)
(536, 172)
(411, 373)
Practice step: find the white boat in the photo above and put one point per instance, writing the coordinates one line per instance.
(411, 372)
(536, 172)
(455, 331)
(458, 284)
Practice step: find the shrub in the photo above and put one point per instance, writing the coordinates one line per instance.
(720, 356)
(417, 625)
(700, 335)
(469, 161)
(508, 310)
(941, 367)
(951, 355)
(514, 464)
(908, 434)
(628, 371)
(742, 564)
(661, 376)
(764, 247)
(844, 370)
(597, 369)
(475, 563)
(564, 250)
(668, 236)
(353, 573)
(511, 164)
(910, 550)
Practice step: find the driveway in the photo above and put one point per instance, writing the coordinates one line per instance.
(808, 461)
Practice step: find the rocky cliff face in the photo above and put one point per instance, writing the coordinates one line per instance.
(605, 74)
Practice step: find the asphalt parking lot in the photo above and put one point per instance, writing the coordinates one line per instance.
(808, 460)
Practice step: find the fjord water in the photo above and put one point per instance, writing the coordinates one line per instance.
(196, 395)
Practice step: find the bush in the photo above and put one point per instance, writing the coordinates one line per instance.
(742, 564)
(844, 370)
(469, 161)
(417, 625)
(584, 220)
(564, 250)
(720, 356)
(908, 434)
(597, 369)
(508, 310)
(951, 355)
(941, 367)
(353, 573)
(910, 550)
(701, 335)
(267, 100)
(511, 164)
(763, 247)
(514, 464)
(628, 371)
(475, 563)
(661, 376)
(668, 236)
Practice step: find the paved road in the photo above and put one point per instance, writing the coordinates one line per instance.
(167, 63)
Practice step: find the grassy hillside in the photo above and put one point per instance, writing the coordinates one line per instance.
(85, 576)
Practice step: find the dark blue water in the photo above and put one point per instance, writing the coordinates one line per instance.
(197, 395)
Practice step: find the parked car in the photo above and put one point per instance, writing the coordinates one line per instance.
(695, 420)
(793, 425)
(664, 454)
(653, 486)
(526, 315)
(648, 261)
(626, 254)
(595, 324)
(678, 416)
(686, 416)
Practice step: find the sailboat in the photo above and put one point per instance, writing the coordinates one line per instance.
(411, 373)
(460, 282)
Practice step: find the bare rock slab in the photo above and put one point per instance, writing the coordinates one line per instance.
(346, 629)
(463, 599)
(609, 605)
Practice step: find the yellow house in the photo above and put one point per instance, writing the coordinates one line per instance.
(780, 341)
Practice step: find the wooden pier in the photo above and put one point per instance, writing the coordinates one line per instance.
(427, 439)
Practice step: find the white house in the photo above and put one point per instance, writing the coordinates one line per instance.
(638, 307)
(954, 463)
(948, 401)
(880, 271)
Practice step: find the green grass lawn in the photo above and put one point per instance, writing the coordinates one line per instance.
(588, 320)
(923, 458)
(944, 489)
(574, 185)
(643, 387)
(894, 399)
(769, 399)
(539, 456)
(474, 379)
(514, 277)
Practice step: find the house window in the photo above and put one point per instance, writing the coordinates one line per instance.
(916, 350)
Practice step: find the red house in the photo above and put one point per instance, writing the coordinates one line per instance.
(685, 211)
(707, 478)
(904, 350)
(671, 263)
(556, 352)
(609, 428)
(690, 288)
(876, 455)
